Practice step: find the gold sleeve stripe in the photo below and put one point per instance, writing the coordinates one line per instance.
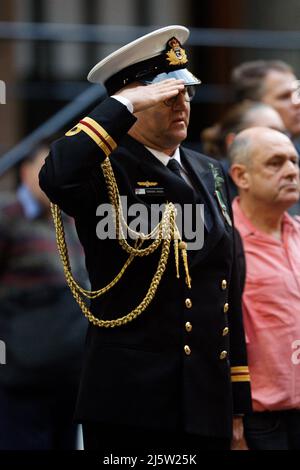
(239, 369)
(99, 141)
(98, 134)
(240, 378)
(73, 131)
(99, 130)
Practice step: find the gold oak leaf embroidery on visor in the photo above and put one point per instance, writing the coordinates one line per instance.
(176, 54)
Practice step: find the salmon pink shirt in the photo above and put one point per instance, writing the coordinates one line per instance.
(271, 309)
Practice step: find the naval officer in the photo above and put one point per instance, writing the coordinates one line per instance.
(165, 362)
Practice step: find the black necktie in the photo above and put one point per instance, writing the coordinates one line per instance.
(174, 166)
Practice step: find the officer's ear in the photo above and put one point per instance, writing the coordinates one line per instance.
(239, 174)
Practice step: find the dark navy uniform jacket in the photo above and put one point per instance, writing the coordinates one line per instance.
(181, 365)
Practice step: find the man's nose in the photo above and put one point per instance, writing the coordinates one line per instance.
(180, 101)
(291, 168)
(296, 103)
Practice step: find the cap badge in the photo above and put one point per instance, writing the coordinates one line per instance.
(175, 54)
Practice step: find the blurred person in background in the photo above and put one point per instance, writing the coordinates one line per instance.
(217, 139)
(265, 168)
(272, 82)
(40, 323)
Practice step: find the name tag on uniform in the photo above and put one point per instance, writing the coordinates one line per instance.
(154, 191)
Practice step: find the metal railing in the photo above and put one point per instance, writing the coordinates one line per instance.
(118, 35)
(51, 126)
(111, 34)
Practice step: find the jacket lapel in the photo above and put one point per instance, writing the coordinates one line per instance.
(150, 168)
(176, 190)
(203, 180)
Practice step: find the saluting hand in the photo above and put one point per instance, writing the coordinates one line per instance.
(143, 97)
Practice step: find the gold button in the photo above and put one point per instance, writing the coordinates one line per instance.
(224, 284)
(223, 355)
(226, 307)
(188, 303)
(225, 331)
(187, 350)
(188, 326)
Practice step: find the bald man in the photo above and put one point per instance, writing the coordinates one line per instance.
(265, 168)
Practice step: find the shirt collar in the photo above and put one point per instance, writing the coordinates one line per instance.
(246, 227)
(31, 206)
(163, 157)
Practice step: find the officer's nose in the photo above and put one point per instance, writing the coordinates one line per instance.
(181, 100)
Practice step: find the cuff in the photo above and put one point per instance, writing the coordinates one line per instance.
(124, 101)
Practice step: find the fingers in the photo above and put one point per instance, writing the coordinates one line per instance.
(167, 86)
(161, 91)
(143, 97)
(170, 82)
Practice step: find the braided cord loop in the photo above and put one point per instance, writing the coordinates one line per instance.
(162, 234)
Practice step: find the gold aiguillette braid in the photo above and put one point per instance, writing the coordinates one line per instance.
(163, 234)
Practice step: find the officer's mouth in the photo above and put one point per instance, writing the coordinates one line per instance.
(179, 120)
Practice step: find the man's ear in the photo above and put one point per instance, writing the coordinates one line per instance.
(240, 175)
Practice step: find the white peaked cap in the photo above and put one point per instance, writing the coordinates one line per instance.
(131, 59)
